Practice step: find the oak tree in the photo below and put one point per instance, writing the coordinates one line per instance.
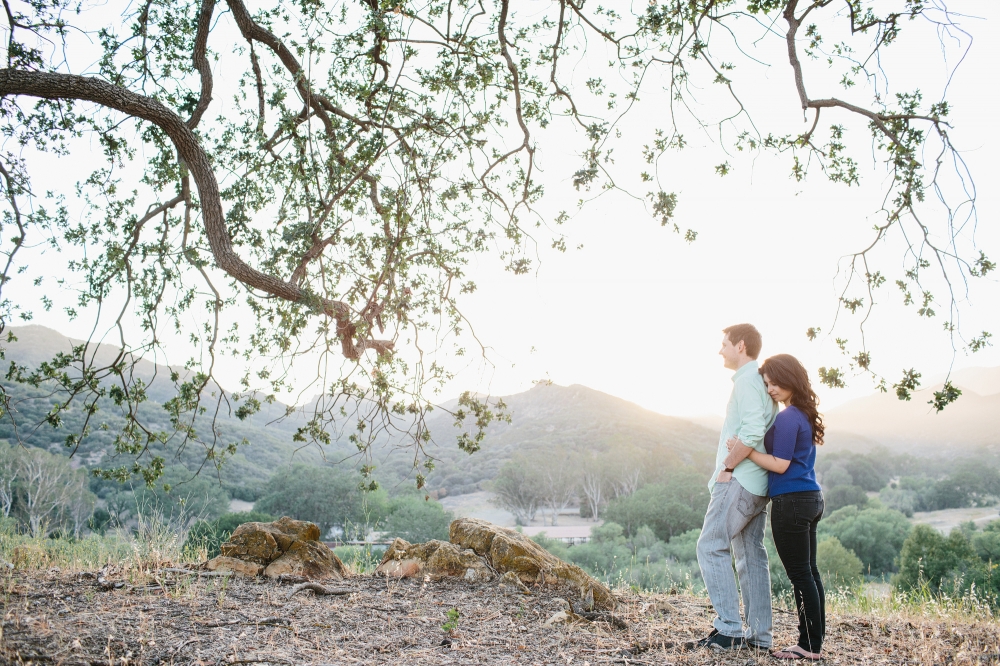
(309, 180)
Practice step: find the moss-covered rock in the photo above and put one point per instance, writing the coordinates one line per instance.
(508, 551)
(436, 559)
(284, 546)
(241, 567)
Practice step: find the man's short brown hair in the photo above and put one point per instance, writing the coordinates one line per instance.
(750, 336)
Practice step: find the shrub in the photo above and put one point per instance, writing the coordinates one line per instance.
(842, 496)
(327, 496)
(684, 547)
(553, 546)
(666, 508)
(212, 534)
(417, 520)
(875, 535)
(839, 566)
(942, 564)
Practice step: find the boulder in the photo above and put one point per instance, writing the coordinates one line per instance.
(436, 559)
(311, 559)
(265, 542)
(284, 547)
(241, 567)
(508, 551)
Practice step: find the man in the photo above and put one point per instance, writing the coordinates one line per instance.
(737, 511)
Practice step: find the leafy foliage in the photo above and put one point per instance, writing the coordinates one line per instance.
(328, 496)
(875, 535)
(209, 535)
(368, 153)
(668, 509)
(416, 520)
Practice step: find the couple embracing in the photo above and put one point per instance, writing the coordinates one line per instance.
(764, 455)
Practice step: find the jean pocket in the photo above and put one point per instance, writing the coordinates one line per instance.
(807, 510)
(746, 505)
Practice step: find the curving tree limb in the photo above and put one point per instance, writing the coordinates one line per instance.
(50, 85)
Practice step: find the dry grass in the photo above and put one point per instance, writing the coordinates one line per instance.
(142, 615)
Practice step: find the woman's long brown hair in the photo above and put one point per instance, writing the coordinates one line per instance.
(785, 371)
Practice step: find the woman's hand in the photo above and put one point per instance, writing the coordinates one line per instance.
(732, 442)
(737, 452)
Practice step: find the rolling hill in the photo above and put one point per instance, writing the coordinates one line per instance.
(575, 417)
(545, 416)
(914, 427)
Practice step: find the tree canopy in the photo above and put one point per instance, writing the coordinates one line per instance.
(311, 179)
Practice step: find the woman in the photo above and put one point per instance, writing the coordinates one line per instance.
(796, 497)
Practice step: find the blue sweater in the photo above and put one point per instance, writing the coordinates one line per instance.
(791, 438)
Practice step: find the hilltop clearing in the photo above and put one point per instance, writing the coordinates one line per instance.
(163, 617)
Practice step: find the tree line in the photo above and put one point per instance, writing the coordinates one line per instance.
(626, 485)
(42, 491)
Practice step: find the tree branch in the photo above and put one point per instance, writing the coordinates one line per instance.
(49, 85)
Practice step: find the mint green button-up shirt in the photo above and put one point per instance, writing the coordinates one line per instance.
(749, 414)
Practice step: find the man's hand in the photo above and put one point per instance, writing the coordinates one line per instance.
(724, 477)
(737, 452)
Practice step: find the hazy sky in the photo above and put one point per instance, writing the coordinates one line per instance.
(637, 312)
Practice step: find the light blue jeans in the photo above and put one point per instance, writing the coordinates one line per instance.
(734, 527)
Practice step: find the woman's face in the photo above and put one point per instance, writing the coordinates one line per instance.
(777, 393)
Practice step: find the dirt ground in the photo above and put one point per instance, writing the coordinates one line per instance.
(172, 618)
(946, 520)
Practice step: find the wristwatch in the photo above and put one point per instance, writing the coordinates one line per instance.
(729, 469)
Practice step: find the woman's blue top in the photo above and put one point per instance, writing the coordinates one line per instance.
(791, 438)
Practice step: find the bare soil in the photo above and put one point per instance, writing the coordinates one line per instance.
(171, 618)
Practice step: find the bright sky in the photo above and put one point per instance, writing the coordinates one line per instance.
(638, 313)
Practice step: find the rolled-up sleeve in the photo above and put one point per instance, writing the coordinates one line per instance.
(753, 421)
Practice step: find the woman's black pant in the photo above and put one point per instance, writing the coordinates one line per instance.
(794, 517)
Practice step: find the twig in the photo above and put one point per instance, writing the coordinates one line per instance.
(318, 589)
(194, 572)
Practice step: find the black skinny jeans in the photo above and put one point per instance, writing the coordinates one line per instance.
(794, 517)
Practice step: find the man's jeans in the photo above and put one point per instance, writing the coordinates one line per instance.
(736, 519)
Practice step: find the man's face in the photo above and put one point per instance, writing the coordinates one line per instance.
(730, 353)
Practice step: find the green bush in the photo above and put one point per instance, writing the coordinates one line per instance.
(948, 565)
(99, 521)
(668, 508)
(327, 496)
(416, 520)
(607, 552)
(875, 535)
(212, 534)
(839, 566)
(684, 547)
(842, 496)
(554, 546)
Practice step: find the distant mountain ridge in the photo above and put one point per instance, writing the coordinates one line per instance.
(576, 417)
(545, 416)
(913, 426)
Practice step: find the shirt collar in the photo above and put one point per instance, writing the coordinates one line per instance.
(746, 370)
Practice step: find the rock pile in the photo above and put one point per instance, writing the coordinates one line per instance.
(479, 550)
(285, 546)
(435, 559)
